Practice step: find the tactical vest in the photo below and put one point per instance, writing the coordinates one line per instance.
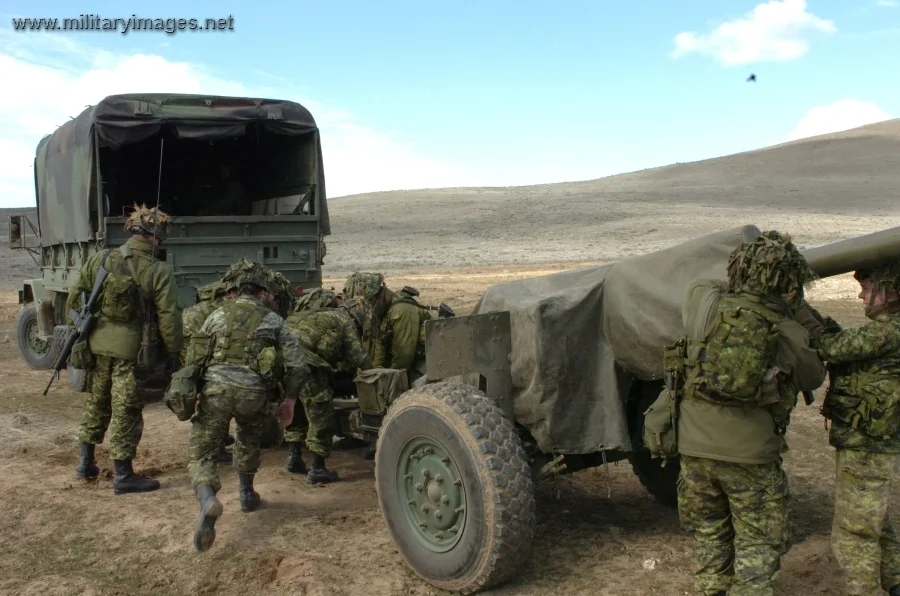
(235, 344)
(122, 296)
(733, 364)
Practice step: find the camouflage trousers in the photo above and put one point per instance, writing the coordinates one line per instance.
(209, 426)
(739, 516)
(114, 404)
(315, 422)
(863, 540)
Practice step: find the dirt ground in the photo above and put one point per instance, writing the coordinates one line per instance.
(63, 536)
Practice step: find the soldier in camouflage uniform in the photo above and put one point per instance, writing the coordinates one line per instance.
(209, 298)
(328, 332)
(733, 492)
(394, 327)
(863, 404)
(135, 278)
(245, 349)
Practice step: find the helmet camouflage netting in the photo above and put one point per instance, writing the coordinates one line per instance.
(145, 221)
(246, 271)
(315, 300)
(770, 264)
(363, 285)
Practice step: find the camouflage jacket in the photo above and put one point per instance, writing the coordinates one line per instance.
(745, 432)
(118, 329)
(271, 355)
(192, 319)
(401, 337)
(331, 335)
(864, 366)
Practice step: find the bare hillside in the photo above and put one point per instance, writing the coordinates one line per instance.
(810, 187)
(820, 189)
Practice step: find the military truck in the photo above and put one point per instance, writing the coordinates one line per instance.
(201, 158)
(548, 375)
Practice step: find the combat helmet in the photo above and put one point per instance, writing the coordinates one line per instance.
(363, 285)
(315, 300)
(885, 280)
(281, 288)
(769, 264)
(145, 222)
(246, 271)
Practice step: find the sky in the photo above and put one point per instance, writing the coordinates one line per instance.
(412, 95)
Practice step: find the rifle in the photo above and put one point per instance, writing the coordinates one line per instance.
(444, 311)
(83, 322)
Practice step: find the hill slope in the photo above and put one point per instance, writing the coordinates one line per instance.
(819, 189)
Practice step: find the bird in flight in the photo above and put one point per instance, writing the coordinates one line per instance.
(752, 78)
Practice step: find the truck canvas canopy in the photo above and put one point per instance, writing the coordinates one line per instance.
(99, 163)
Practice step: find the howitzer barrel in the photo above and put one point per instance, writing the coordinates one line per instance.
(854, 253)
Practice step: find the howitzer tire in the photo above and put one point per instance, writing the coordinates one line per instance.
(661, 482)
(454, 487)
(39, 354)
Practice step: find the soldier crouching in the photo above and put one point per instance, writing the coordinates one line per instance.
(244, 349)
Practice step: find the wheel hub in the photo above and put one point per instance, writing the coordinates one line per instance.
(430, 483)
(38, 346)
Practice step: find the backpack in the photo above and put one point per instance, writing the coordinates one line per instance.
(733, 363)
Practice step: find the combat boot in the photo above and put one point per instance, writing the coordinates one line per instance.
(87, 469)
(126, 481)
(294, 462)
(895, 591)
(369, 452)
(210, 510)
(249, 497)
(319, 473)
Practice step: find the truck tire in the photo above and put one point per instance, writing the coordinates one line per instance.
(454, 487)
(38, 354)
(661, 482)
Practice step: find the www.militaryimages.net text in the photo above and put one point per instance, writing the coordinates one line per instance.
(94, 22)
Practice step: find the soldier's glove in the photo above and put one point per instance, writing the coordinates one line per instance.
(809, 321)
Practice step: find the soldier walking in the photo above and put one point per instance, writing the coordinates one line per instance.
(863, 404)
(245, 351)
(329, 333)
(136, 281)
(745, 361)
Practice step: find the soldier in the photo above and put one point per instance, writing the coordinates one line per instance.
(135, 278)
(745, 361)
(396, 325)
(328, 332)
(245, 349)
(209, 298)
(863, 404)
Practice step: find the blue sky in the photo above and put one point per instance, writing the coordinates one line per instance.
(430, 94)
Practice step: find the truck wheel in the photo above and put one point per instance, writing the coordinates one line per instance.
(661, 482)
(38, 353)
(454, 487)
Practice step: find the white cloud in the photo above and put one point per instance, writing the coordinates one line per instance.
(772, 32)
(841, 115)
(887, 3)
(56, 78)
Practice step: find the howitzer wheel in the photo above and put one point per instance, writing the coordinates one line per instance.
(39, 354)
(454, 487)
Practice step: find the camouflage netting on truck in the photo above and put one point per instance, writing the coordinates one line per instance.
(575, 333)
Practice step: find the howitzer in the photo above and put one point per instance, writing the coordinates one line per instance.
(84, 322)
